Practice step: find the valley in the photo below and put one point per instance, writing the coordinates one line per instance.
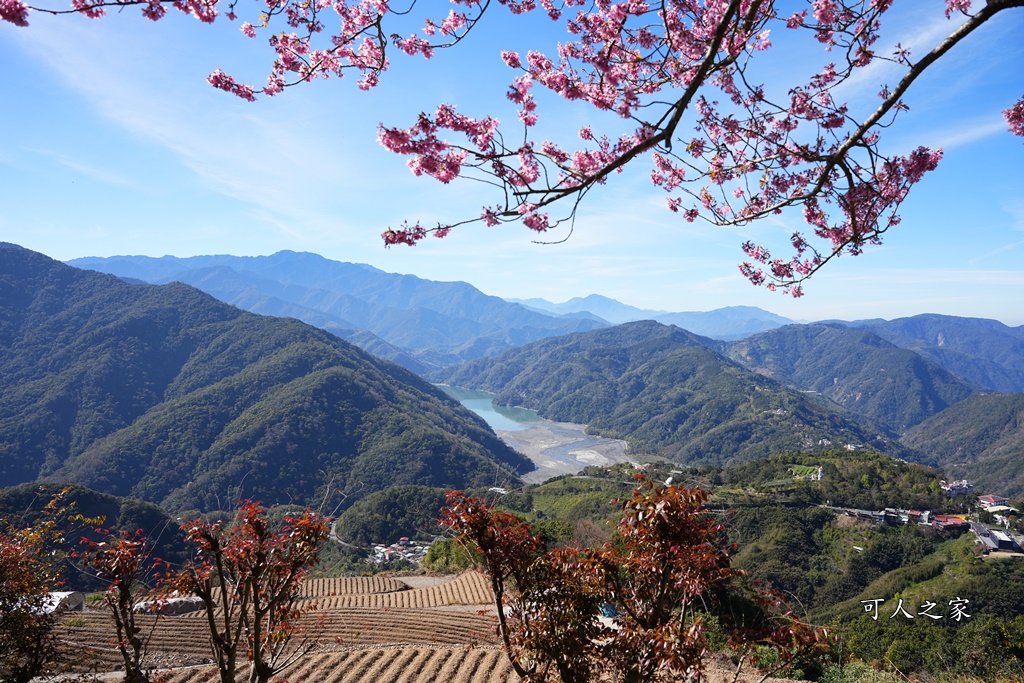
(160, 402)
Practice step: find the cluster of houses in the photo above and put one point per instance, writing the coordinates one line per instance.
(989, 539)
(961, 487)
(405, 549)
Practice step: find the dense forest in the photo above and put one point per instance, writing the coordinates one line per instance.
(857, 369)
(981, 437)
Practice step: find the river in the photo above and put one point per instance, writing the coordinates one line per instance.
(554, 447)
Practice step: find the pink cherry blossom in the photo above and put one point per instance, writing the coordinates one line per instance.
(14, 11)
(957, 6)
(1015, 117)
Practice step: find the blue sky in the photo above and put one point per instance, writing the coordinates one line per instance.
(115, 144)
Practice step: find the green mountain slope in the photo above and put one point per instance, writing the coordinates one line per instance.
(980, 438)
(984, 352)
(665, 391)
(163, 393)
(857, 369)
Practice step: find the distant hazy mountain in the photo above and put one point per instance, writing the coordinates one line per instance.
(664, 390)
(164, 393)
(731, 322)
(420, 323)
(980, 438)
(611, 310)
(983, 352)
(855, 368)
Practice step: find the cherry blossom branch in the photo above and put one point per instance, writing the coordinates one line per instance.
(751, 157)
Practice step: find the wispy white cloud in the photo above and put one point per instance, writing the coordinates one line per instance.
(967, 132)
(1015, 208)
(996, 252)
(264, 159)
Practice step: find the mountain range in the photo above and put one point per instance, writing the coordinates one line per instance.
(418, 323)
(424, 324)
(421, 324)
(797, 387)
(163, 393)
(854, 368)
(753, 383)
(731, 322)
(984, 352)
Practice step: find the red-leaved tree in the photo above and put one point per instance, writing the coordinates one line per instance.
(125, 563)
(681, 74)
(248, 576)
(30, 569)
(666, 573)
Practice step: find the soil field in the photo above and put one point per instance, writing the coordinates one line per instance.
(385, 665)
(365, 630)
(469, 588)
(352, 585)
(353, 613)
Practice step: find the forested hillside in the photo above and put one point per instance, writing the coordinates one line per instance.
(829, 563)
(666, 392)
(984, 352)
(24, 505)
(164, 393)
(870, 377)
(981, 438)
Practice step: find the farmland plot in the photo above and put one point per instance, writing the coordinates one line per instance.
(366, 629)
(386, 665)
(359, 624)
(469, 588)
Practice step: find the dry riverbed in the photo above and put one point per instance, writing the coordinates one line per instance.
(562, 448)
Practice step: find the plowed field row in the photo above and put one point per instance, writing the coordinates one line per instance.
(186, 641)
(347, 585)
(364, 627)
(469, 588)
(386, 665)
(350, 585)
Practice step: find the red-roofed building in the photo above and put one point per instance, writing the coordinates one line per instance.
(946, 523)
(988, 501)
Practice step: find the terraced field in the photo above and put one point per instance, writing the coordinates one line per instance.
(365, 628)
(352, 585)
(469, 588)
(388, 664)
